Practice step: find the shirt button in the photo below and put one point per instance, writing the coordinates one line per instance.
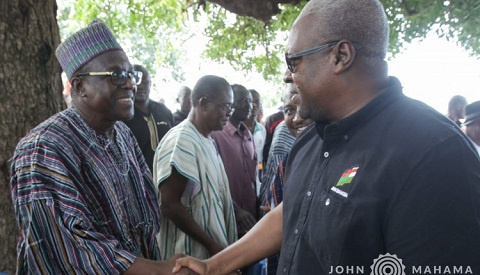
(285, 270)
(327, 202)
(309, 193)
(296, 231)
(326, 154)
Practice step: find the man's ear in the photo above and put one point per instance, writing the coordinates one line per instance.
(344, 56)
(202, 102)
(78, 87)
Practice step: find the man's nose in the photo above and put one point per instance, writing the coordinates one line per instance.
(297, 118)
(287, 76)
(250, 106)
(130, 83)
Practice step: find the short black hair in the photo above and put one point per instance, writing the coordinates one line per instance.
(254, 93)
(237, 89)
(209, 86)
(141, 68)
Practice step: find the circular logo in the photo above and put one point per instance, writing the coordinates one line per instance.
(387, 265)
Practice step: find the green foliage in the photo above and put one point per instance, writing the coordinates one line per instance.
(238, 42)
(248, 44)
(145, 28)
(409, 19)
(455, 20)
(154, 30)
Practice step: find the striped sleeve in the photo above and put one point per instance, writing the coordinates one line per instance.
(177, 149)
(57, 235)
(281, 143)
(48, 235)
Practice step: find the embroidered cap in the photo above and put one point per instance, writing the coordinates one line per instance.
(472, 112)
(84, 45)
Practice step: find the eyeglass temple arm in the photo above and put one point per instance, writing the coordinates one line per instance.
(99, 73)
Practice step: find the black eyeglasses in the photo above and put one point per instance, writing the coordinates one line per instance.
(290, 58)
(119, 77)
(224, 107)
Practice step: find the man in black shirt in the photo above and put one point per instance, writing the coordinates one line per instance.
(152, 119)
(381, 183)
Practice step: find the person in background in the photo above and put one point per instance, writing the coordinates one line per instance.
(283, 138)
(260, 116)
(280, 147)
(259, 134)
(271, 122)
(379, 177)
(472, 123)
(184, 100)
(282, 141)
(83, 195)
(198, 214)
(66, 93)
(235, 145)
(456, 109)
(151, 120)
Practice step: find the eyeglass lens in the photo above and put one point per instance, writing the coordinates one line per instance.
(289, 63)
(225, 107)
(120, 77)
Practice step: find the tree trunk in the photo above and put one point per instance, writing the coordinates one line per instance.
(30, 92)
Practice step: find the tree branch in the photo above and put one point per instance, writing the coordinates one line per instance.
(261, 10)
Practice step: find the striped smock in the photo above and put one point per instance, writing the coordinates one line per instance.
(206, 197)
(84, 204)
(282, 141)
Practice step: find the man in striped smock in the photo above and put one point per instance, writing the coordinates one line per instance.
(84, 198)
(194, 192)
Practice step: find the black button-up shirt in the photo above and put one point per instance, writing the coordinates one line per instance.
(395, 177)
(147, 136)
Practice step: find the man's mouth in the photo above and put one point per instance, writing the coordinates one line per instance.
(128, 98)
(125, 99)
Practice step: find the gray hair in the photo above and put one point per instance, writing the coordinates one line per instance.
(210, 86)
(361, 21)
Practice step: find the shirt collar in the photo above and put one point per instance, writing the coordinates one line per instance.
(231, 130)
(350, 124)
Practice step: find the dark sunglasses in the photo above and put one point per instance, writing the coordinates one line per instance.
(119, 77)
(290, 58)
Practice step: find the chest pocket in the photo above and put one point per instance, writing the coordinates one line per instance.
(163, 126)
(328, 225)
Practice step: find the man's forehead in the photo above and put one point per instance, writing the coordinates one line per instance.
(113, 60)
(242, 94)
(301, 34)
(223, 95)
(184, 93)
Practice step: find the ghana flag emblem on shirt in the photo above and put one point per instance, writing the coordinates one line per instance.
(347, 176)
